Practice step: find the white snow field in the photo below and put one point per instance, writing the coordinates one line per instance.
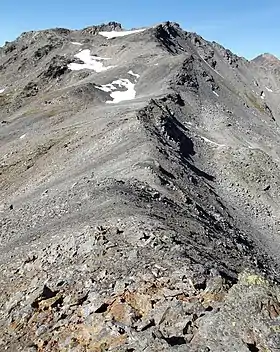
(119, 95)
(2, 90)
(114, 34)
(90, 62)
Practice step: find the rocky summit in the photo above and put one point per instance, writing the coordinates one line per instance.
(140, 191)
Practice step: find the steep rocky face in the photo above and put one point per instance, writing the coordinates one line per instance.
(139, 193)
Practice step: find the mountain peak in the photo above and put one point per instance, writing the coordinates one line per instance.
(269, 56)
(266, 59)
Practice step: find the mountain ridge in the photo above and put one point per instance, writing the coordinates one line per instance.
(139, 187)
(111, 26)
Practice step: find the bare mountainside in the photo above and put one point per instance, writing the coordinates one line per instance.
(139, 193)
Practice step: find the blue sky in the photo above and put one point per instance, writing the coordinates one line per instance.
(247, 27)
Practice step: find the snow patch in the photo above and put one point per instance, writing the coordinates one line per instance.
(189, 123)
(212, 142)
(76, 43)
(110, 86)
(268, 89)
(107, 88)
(119, 95)
(215, 93)
(90, 62)
(2, 90)
(114, 34)
(23, 136)
(133, 74)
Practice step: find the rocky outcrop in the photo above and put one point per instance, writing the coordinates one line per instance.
(187, 75)
(93, 30)
(57, 67)
(168, 35)
(161, 310)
